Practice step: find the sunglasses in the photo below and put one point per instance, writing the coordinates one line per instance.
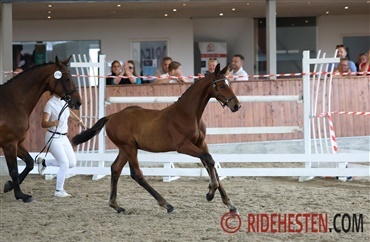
(131, 67)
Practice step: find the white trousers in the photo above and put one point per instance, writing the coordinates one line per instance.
(64, 156)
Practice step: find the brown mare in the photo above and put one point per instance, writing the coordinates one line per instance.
(178, 127)
(18, 97)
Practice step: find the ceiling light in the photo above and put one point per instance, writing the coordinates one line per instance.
(184, 4)
(346, 7)
(49, 12)
(233, 9)
(308, 2)
(49, 17)
(119, 5)
(174, 10)
(248, 3)
(50, 5)
(221, 14)
(327, 12)
(165, 14)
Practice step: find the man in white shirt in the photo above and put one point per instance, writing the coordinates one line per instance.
(237, 73)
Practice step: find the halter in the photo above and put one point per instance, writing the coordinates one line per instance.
(57, 76)
(219, 94)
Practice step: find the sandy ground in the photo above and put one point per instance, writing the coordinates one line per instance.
(87, 217)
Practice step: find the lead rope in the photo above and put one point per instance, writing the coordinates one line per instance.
(52, 136)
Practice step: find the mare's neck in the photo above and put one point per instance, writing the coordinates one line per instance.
(195, 99)
(29, 87)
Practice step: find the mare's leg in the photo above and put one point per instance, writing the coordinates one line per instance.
(10, 152)
(25, 156)
(138, 176)
(225, 198)
(116, 170)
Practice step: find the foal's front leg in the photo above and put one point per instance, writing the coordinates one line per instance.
(225, 198)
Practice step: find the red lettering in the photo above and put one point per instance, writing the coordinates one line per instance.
(306, 216)
(251, 223)
(323, 222)
(264, 220)
(273, 222)
(299, 223)
(282, 222)
(290, 222)
(313, 222)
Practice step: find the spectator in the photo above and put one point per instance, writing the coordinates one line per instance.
(342, 54)
(164, 66)
(343, 66)
(237, 73)
(174, 74)
(212, 63)
(362, 58)
(115, 71)
(128, 71)
(365, 66)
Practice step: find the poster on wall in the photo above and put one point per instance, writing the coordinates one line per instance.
(209, 50)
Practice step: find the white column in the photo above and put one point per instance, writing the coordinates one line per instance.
(6, 39)
(271, 36)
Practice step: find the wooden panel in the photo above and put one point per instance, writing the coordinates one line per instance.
(349, 94)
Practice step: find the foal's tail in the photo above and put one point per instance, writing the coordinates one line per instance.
(89, 133)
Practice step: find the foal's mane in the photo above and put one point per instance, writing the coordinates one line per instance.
(23, 72)
(192, 85)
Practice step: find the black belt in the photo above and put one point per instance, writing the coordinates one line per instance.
(57, 132)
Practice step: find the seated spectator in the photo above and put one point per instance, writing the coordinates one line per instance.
(365, 65)
(164, 66)
(361, 59)
(342, 54)
(128, 71)
(343, 66)
(174, 74)
(212, 63)
(237, 72)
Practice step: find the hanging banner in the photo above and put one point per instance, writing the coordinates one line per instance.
(216, 50)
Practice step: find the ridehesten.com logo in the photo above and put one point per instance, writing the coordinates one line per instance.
(293, 223)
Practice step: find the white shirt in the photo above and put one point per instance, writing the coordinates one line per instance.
(237, 75)
(53, 107)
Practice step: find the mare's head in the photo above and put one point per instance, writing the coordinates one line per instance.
(63, 85)
(222, 90)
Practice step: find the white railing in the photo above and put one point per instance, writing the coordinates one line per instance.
(97, 163)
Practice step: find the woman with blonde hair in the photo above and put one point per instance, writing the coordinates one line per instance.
(174, 74)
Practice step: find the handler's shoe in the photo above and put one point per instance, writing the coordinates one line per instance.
(61, 194)
(41, 166)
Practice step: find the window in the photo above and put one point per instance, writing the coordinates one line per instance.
(293, 36)
(148, 55)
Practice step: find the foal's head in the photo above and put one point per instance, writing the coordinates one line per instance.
(63, 84)
(222, 90)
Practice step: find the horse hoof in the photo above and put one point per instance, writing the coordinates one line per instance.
(234, 210)
(120, 210)
(8, 186)
(210, 197)
(29, 200)
(170, 209)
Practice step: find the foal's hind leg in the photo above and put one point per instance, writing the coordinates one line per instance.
(116, 169)
(138, 176)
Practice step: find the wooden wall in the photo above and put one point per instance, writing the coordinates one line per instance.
(349, 94)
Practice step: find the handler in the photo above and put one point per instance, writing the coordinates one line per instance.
(55, 120)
